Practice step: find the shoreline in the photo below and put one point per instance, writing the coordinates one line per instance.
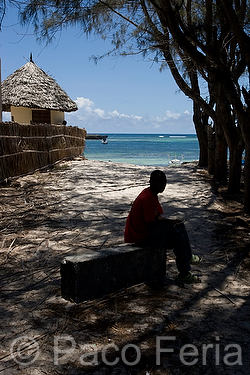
(169, 164)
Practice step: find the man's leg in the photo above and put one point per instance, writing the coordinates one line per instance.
(182, 250)
(176, 238)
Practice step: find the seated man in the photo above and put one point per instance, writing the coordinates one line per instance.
(147, 227)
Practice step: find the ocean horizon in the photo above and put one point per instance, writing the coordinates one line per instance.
(144, 149)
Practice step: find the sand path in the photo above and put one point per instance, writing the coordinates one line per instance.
(82, 205)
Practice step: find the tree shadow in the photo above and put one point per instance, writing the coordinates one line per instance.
(85, 208)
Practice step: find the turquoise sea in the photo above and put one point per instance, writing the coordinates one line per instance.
(144, 149)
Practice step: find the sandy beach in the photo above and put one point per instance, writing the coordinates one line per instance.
(82, 205)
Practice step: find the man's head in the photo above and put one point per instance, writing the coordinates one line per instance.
(157, 181)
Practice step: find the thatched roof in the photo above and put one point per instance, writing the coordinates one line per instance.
(29, 86)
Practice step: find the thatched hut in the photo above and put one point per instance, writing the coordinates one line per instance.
(32, 97)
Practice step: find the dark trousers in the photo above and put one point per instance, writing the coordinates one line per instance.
(167, 236)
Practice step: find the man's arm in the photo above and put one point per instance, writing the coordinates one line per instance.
(173, 222)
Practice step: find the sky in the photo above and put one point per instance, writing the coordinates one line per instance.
(116, 95)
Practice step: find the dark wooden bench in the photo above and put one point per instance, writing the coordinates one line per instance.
(92, 275)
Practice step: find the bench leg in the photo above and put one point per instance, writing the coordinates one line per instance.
(157, 268)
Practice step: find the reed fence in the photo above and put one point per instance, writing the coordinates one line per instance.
(26, 148)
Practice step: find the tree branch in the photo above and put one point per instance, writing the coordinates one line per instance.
(242, 38)
(118, 13)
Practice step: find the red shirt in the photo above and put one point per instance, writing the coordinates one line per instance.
(146, 208)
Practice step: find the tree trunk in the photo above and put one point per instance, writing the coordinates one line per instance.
(247, 178)
(234, 140)
(203, 155)
(200, 122)
(246, 136)
(243, 120)
(220, 165)
(211, 149)
(235, 160)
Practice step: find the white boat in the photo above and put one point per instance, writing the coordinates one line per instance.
(175, 161)
(104, 141)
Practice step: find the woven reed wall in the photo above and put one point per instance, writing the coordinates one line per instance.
(25, 148)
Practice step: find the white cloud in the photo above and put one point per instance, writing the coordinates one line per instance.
(114, 114)
(97, 120)
(100, 112)
(136, 118)
(172, 115)
(82, 102)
